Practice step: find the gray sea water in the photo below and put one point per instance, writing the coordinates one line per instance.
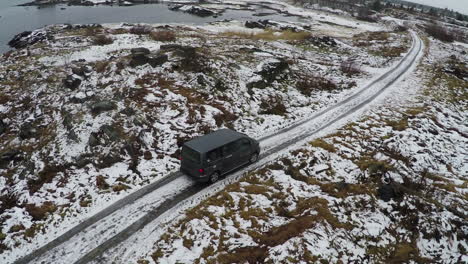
(16, 19)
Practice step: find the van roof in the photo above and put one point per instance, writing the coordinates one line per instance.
(213, 140)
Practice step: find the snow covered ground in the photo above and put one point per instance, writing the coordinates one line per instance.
(88, 121)
(390, 187)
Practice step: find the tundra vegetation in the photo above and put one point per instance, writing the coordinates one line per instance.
(390, 187)
(89, 113)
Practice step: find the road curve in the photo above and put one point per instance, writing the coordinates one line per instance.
(288, 136)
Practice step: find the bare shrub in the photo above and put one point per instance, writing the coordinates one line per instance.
(8, 201)
(225, 117)
(101, 66)
(140, 30)
(273, 107)
(101, 182)
(92, 31)
(40, 212)
(162, 35)
(102, 40)
(45, 176)
(311, 83)
(439, 32)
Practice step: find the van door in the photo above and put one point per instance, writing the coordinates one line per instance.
(230, 156)
(245, 150)
(191, 161)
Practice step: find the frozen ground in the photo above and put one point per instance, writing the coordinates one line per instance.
(68, 152)
(390, 187)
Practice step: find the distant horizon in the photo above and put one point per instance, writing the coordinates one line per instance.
(455, 5)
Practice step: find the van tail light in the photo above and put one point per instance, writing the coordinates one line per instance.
(180, 157)
(201, 171)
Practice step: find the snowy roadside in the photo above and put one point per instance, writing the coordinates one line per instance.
(84, 147)
(389, 187)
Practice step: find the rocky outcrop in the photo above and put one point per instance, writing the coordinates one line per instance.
(102, 106)
(262, 24)
(83, 71)
(142, 56)
(27, 131)
(270, 72)
(324, 41)
(194, 10)
(72, 82)
(27, 38)
(3, 127)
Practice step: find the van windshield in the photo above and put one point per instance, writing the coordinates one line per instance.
(190, 154)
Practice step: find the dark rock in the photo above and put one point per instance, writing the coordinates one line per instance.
(3, 127)
(157, 60)
(199, 11)
(110, 132)
(147, 155)
(82, 161)
(102, 106)
(457, 72)
(11, 155)
(201, 80)
(93, 140)
(324, 41)
(27, 131)
(138, 60)
(255, 24)
(68, 121)
(174, 7)
(72, 82)
(79, 98)
(80, 3)
(270, 72)
(179, 50)
(71, 135)
(128, 111)
(220, 86)
(108, 160)
(27, 38)
(140, 51)
(389, 191)
(83, 71)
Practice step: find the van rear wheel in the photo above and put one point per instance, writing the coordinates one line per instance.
(254, 158)
(214, 177)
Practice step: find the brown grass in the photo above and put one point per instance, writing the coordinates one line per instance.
(119, 187)
(374, 167)
(45, 176)
(439, 32)
(40, 212)
(309, 83)
(101, 66)
(320, 143)
(275, 107)
(102, 40)
(101, 182)
(269, 35)
(163, 35)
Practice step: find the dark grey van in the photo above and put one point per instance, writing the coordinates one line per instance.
(208, 157)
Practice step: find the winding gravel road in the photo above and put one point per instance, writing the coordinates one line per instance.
(131, 225)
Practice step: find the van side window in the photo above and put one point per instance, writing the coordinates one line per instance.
(230, 148)
(244, 145)
(213, 155)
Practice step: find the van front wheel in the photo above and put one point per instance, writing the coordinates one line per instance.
(214, 177)
(254, 158)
